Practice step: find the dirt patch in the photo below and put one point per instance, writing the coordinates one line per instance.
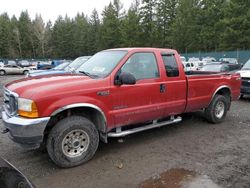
(179, 178)
(172, 178)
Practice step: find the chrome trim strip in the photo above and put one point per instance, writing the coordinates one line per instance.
(219, 88)
(80, 105)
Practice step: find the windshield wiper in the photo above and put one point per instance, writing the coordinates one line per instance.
(89, 75)
(86, 73)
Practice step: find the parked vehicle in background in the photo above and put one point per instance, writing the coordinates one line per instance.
(245, 78)
(64, 68)
(215, 67)
(46, 65)
(56, 70)
(119, 92)
(229, 60)
(232, 62)
(13, 69)
(11, 62)
(192, 59)
(189, 66)
(24, 63)
(198, 64)
(43, 65)
(1, 64)
(208, 60)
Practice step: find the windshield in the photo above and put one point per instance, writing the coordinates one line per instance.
(246, 66)
(212, 68)
(77, 63)
(102, 63)
(61, 66)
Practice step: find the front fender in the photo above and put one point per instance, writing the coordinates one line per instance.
(72, 102)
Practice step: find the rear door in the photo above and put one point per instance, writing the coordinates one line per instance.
(140, 102)
(174, 97)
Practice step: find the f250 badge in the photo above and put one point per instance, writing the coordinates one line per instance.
(103, 93)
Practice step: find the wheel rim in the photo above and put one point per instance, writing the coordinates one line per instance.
(1, 73)
(75, 143)
(219, 109)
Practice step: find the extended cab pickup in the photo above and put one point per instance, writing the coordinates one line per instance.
(116, 93)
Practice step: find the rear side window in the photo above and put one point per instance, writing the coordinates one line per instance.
(171, 65)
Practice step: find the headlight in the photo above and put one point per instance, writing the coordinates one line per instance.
(27, 108)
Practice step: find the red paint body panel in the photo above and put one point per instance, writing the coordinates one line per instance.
(127, 104)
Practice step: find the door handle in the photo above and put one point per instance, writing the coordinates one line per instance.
(162, 88)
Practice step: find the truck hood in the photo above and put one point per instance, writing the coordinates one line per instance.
(244, 73)
(49, 85)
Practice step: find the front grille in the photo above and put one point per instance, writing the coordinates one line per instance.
(245, 81)
(245, 78)
(10, 102)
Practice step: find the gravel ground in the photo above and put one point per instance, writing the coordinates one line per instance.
(219, 152)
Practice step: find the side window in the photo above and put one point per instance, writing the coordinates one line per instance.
(142, 66)
(171, 65)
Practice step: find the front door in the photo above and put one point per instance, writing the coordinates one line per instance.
(139, 102)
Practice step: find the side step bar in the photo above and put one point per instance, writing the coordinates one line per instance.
(120, 133)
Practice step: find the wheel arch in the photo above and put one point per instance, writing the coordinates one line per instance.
(222, 90)
(89, 111)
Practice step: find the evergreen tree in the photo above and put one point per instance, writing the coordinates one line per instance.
(15, 39)
(131, 28)
(39, 36)
(235, 27)
(26, 34)
(110, 30)
(166, 13)
(94, 33)
(62, 38)
(5, 33)
(185, 30)
(148, 22)
(80, 33)
(210, 13)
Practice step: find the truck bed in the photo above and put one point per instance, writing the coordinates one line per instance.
(199, 96)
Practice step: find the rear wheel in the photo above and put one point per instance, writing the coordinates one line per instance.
(73, 141)
(217, 110)
(2, 72)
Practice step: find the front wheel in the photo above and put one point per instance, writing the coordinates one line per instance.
(217, 110)
(73, 141)
(25, 72)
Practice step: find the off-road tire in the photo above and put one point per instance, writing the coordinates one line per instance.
(58, 133)
(210, 113)
(2, 72)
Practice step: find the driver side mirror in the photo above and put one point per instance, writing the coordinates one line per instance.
(125, 78)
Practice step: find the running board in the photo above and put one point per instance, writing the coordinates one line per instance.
(120, 133)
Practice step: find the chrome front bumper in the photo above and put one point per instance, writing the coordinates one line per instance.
(27, 132)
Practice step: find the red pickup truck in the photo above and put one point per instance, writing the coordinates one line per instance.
(116, 93)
